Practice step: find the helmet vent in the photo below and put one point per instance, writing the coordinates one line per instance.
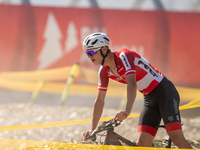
(94, 42)
(88, 42)
(106, 38)
(96, 34)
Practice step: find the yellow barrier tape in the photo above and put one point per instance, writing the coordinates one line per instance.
(27, 81)
(53, 87)
(48, 75)
(85, 90)
(43, 145)
(42, 125)
(192, 104)
(48, 125)
(188, 93)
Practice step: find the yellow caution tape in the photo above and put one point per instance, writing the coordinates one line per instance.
(192, 104)
(28, 81)
(48, 75)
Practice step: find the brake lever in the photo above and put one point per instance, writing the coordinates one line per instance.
(105, 126)
(117, 123)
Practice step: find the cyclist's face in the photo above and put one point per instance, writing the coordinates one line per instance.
(95, 56)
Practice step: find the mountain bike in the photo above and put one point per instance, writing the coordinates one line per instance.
(113, 138)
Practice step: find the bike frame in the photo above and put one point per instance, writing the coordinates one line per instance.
(112, 138)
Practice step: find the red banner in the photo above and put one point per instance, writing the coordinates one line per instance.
(36, 38)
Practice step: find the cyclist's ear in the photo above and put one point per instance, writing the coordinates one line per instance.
(104, 49)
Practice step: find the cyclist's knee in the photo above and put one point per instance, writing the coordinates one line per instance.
(176, 136)
(145, 139)
(143, 143)
(178, 139)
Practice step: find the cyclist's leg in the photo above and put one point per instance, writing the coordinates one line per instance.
(150, 116)
(178, 139)
(169, 108)
(148, 125)
(144, 139)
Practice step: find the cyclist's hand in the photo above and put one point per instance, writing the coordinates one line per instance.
(120, 116)
(86, 135)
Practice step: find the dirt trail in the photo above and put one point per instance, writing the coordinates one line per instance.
(15, 110)
(23, 114)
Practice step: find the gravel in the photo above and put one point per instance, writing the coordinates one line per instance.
(14, 114)
(19, 112)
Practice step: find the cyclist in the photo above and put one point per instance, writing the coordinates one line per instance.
(161, 99)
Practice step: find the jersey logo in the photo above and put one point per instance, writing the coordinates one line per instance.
(125, 61)
(147, 67)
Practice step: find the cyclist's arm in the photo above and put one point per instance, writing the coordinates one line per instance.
(131, 95)
(98, 109)
(131, 92)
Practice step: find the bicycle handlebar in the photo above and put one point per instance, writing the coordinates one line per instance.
(106, 125)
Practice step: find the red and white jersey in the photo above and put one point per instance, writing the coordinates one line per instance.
(129, 62)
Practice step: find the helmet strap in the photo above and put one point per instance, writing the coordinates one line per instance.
(104, 56)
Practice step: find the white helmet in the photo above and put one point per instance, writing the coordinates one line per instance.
(96, 40)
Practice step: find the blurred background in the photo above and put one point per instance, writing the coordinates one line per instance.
(36, 36)
(41, 42)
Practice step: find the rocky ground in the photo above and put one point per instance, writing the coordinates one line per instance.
(21, 113)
